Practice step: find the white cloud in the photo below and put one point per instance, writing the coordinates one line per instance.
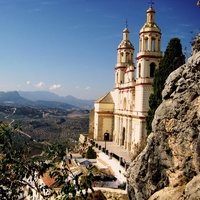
(28, 82)
(77, 87)
(39, 85)
(55, 86)
(87, 88)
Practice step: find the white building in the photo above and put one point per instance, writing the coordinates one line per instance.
(122, 112)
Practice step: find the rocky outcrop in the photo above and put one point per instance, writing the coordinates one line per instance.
(109, 194)
(196, 43)
(169, 166)
(106, 194)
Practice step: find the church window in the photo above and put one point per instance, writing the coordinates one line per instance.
(153, 44)
(152, 69)
(121, 56)
(146, 44)
(127, 57)
(139, 70)
(158, 44)
(151, 18)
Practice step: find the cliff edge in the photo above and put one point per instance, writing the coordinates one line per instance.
(169, 166)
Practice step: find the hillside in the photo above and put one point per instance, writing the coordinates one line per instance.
(13, 98)
(43, 120)
(47, 124)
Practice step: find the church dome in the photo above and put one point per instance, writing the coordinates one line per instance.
(150, 9)
(150, 24)
(125, 43)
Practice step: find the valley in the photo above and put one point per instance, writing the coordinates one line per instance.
(52, 125)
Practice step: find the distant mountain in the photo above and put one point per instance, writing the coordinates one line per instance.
(44, 99)
(39, 95)
(49, 96)
(14, 98)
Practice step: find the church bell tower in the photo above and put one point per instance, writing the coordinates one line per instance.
(148, 59)
(124, 67)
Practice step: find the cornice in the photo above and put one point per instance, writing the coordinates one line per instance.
(148, 84)
(150, 32)
(148, 56)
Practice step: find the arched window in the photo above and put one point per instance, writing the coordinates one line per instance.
(127, 57)
(159, 44)
(153, 44)
(152, 69)
(122, 56)
(139, 70)
(146, 44)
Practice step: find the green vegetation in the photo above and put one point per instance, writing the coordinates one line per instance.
(122, 186)
(47, 124)
(20, 173)
(173, 58)
(91, 154)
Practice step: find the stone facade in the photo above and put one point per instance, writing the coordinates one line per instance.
(121, 113)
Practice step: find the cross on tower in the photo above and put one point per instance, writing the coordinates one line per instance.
(151, 2)
(126, 23)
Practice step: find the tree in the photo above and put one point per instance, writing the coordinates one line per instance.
(172, 59)
(20, 173)
(91, 154)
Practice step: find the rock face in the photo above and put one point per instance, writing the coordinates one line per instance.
(169, 166)
(196, 42)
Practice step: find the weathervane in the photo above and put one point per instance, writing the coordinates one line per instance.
(151, 3)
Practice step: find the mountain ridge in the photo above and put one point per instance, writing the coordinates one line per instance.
(44, 98)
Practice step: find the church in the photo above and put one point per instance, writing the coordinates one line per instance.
(120, 114)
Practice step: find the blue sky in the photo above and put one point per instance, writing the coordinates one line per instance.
(69, 47)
